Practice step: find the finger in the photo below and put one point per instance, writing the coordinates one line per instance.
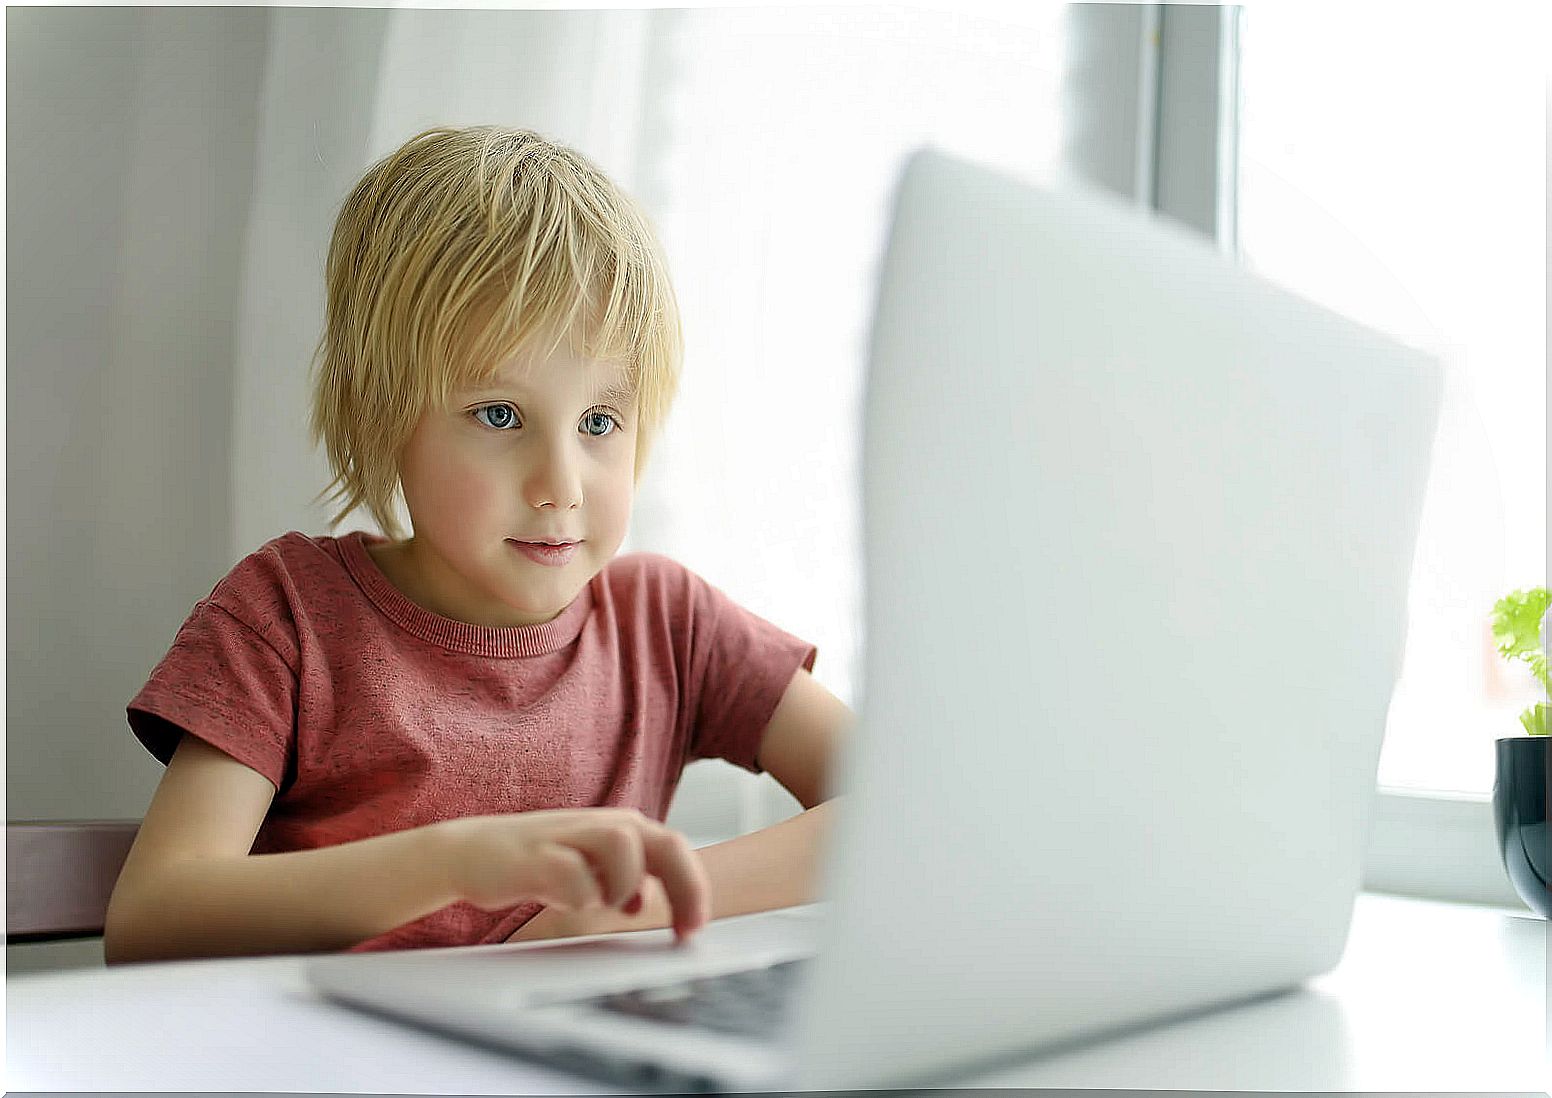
(572, 885)
(615, 851)
(671, 860)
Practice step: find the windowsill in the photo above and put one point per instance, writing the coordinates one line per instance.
(1437, 846)
(1519, 911)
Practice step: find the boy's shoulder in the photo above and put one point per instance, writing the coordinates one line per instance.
(278, 572)
(636, 569)
(660, 576)
(657, 583)
(290, 552)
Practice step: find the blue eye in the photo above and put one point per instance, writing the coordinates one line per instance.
(502, 417)
(502, 414)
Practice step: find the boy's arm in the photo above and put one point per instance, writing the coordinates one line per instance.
(189, 887)
(777, 866)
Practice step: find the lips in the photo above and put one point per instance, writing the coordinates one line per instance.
(542, 553)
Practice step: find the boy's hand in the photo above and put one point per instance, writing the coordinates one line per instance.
(649, 911)
(576, 860)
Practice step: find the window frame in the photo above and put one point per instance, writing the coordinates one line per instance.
(1173, 148)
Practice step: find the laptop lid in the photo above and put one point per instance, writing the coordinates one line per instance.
(1138, 529)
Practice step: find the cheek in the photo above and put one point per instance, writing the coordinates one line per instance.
(617, 495)
(461, 495)
(446, 486)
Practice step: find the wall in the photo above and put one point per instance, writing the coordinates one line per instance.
(130, 138)
(130, 149)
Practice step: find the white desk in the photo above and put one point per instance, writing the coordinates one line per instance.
(1428, 997)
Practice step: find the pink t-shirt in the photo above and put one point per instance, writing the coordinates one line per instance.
(370, 714)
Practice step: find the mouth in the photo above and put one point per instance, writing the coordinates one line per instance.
(541, 552)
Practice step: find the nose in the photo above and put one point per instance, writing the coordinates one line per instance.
(554, 479)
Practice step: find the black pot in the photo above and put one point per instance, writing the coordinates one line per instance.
(1520, 811)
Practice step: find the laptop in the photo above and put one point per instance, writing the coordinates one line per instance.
(1137, 531)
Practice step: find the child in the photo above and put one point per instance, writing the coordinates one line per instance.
(472, 733)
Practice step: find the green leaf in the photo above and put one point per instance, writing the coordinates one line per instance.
(1517, 630)
(1535, 719)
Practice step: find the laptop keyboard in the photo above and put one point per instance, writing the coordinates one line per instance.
(750, 1003)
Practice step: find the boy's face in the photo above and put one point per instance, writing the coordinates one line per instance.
(540, 452)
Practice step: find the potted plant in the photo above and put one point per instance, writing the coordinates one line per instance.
(1520, 784)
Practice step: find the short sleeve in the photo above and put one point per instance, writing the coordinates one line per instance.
(225, 683)
(740, 665)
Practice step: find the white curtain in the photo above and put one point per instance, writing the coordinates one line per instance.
(764, 143)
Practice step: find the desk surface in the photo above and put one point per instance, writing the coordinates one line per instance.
(1428, 997)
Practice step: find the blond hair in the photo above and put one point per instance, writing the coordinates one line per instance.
(460, 249)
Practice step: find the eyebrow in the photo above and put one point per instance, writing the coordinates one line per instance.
(619, 391)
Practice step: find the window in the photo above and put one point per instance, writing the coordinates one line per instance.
(1392, 168)
(769, 160)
